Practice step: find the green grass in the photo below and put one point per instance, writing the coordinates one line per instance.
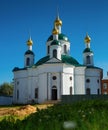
(85, 115)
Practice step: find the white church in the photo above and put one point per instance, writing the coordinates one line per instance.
(57, 73)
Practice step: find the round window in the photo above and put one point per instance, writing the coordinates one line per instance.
(54, 77)
(87, 80)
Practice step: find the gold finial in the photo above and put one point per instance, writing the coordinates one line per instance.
(58, 21)
(87, 39)
(55, 31)
(30, 42)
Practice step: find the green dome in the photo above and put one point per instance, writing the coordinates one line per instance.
(68, 59)
(29, 52)
(60, 37)
(55, 42)
(87, 50)
(42, 60)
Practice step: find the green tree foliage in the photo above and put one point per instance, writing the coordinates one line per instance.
(6, 89)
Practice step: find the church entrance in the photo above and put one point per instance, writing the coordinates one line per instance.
(54, 93)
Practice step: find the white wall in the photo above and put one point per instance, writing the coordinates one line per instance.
(95, 82)
(79, 82)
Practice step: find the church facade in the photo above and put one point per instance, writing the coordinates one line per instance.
(57, 73)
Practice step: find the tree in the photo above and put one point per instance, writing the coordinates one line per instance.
(6, 89)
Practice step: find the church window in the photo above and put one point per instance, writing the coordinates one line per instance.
(71, 90)
(98, 91)
(88, 59)
(87, 80)
(54, 77)
(48, 49)
(17, 94)
(98, 81)
(65, 49)
(71, 78)
(55, 53)
(36, 92)
(88, 91)
(28, 61)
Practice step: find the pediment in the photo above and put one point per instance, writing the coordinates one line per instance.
(54, 60)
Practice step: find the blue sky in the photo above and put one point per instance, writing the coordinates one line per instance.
(20, 18)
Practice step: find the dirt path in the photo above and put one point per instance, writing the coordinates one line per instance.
(23, 110)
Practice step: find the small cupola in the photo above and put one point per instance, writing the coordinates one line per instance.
(29, 55)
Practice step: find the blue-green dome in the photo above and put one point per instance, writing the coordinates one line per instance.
(87, 50)
(55, 42)
(60, 37)
(29, 52)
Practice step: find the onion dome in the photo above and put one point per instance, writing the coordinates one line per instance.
(30, 42)
(87, 39)
(55, 31)
(58, 21)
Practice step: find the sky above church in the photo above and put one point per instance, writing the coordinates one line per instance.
(21, 18)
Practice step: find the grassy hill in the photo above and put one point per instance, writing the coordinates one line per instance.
(85, 115)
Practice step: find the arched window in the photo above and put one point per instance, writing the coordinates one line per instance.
(36, 92)
(17, 94)
(55, 53)
(27, 61)
(65, 49)
(48, 49)
(98, 91)
(88, 59)
(71, 90)
(88, 91)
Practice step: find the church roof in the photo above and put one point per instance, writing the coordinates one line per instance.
(42, 60)
(61, 36)
(64, 59)
(29, 52)
(68, 59)
(17, 69)
(87, 50)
